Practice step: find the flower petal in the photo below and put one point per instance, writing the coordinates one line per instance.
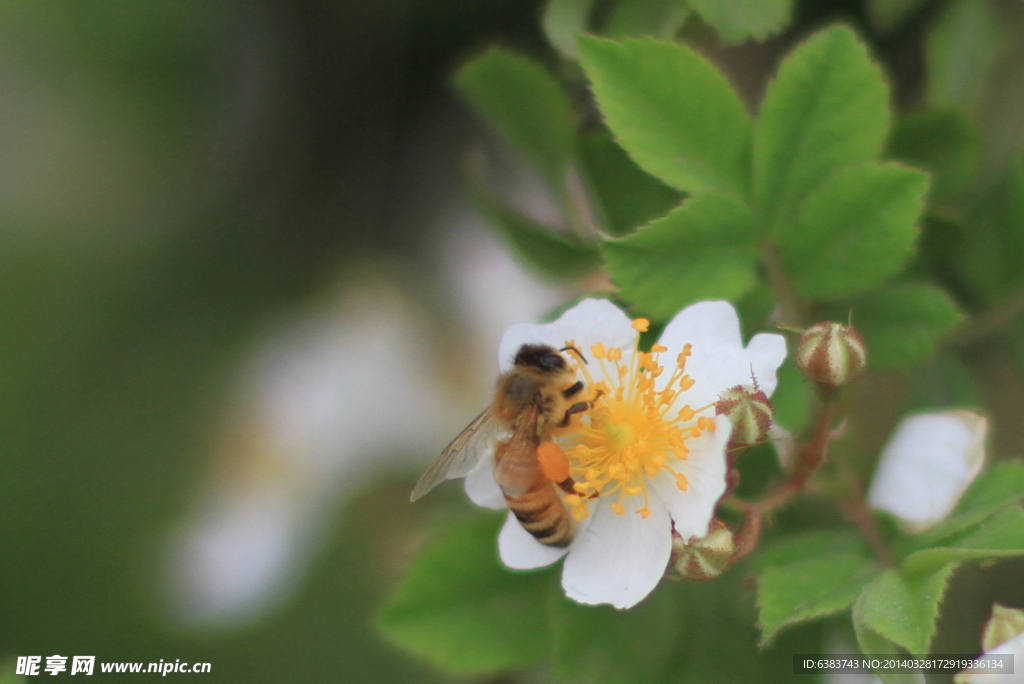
(589, 322)
(519, 550)
(1013, 647)
(618, 559)
(927, 465)
(692, 509)
(719, 360)
(481, 487)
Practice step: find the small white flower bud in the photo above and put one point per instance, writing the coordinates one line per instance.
(749, 411)
(702, 559)
(1005, 624)
(831, 353)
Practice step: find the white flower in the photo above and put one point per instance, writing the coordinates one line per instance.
(651, 448)
(926, 466)
(1014, 647)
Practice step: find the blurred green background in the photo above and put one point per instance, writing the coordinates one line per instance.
(179, 180)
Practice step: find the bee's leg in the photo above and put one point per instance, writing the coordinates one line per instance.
(578, 407)
(573, 390)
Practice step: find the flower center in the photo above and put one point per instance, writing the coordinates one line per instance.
(634, 431)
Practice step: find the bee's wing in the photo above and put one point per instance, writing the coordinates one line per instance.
(509, 472)
(459, 457)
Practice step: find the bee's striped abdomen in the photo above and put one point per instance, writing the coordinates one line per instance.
(541, 513)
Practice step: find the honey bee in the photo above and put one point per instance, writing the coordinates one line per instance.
(532, 403)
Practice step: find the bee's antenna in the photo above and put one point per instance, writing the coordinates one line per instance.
(577, 351)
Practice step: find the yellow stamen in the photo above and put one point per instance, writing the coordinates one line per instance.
(636, 429)
(641, 324)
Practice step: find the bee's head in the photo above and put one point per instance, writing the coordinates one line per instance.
(540, 357)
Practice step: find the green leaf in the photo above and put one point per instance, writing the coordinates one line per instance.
(460, 609)
(526, 103)
(805, 546)
(870, 642)
(903, 323)
(705, 249)
(811, 588)
(998, 486)
(539, 247)
(672, 111)
(1000, 536)
(960, 51)
(654, 18)
(902, 608)
(826, 109)
(855, 231)
(602, 644)
(563, 21)
(625, 196)
(995, 488)
(886, 15)
(737, 20)
(942, 142)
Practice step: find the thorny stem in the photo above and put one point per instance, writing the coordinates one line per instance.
(810, 457)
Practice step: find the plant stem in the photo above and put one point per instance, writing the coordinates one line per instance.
(988, 323)
(788, 303)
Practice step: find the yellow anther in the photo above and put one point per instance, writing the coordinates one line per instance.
(581, 487)
(682, 481)
(705, 423)
(623, 371)
(641, 324)
(579, 513)
(644, 512)
(686, 413)
(633, 490)
(685, 382)
(667, 396)
(618, 508)
(615, 354)
(658, 348)
(598, 351)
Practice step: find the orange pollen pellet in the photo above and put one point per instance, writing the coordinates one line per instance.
(553, 461)
(641, 324)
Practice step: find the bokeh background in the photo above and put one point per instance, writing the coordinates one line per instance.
(244, 301)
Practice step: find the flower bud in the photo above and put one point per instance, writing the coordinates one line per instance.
(831, 353)
(749, 411)
(701, 559)
(1005, 624)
